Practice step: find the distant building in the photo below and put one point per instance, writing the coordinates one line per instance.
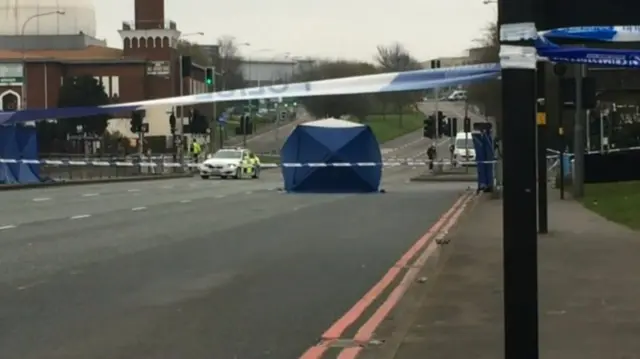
(38, 52)
(448, 61)
(259, 72)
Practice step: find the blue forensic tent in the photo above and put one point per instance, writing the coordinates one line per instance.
(19, 143)
(339, 144)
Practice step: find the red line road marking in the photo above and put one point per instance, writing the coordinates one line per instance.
(336, 330)
(365, 333)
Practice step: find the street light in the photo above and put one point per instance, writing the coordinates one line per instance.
(23, 52)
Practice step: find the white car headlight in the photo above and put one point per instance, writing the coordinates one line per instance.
(232, 165)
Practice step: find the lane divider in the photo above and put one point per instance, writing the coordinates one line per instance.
(336, 330)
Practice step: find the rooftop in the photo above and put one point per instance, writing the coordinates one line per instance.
(88, 53)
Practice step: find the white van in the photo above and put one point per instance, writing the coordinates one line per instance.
(463, 149)
(458, 95)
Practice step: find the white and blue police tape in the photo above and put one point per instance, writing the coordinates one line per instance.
(396, 163)
(596, 33)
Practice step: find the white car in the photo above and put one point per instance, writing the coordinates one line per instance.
(230, 163)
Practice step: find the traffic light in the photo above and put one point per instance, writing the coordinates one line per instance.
(246, 127)
(428, 129)
(136, 121)
(467, 124)
(185, 66)
(209, 77)
(454, 126)
(435, 64)
(442, 126)
(172, 124)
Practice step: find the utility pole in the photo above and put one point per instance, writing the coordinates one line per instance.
(518, 32)
(579, 135)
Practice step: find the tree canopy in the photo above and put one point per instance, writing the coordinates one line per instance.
(391, 58)
(81, 91)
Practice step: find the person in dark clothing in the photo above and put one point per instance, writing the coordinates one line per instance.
(431, 154)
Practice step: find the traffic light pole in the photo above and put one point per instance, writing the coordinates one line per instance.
(520, 233)
(214, 115)
(180, 131)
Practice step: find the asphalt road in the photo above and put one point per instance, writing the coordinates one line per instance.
(195, 269)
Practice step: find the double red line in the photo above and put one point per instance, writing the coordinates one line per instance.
(425, 247)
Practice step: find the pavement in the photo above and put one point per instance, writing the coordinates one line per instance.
(188, 268)
(588, 292)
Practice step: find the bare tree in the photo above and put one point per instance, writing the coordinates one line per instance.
(396, 58)
(487, 94)
(229, 63)
(357, 105)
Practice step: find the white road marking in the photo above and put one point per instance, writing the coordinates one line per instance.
(138, 208)
(167, 187)
(31, 285)
(9, 226)
(133, 190)
(248, 192)
(42, 199)
(90, 194)
(219, 196)
(80, 216)
(185, 201)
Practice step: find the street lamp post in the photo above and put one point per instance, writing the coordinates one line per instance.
(180, 122)
(23, 52)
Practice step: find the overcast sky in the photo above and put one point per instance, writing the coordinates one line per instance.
(349, 29)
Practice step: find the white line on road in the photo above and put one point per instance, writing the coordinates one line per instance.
(167, 187)
(90, 194)
(185, 201)
(10, 226)
(248, 192)
(138, 208)
(133, 190)
(41, 199)
(219, 196)
(80, 216)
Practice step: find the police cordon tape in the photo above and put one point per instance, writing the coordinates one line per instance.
(263, 165)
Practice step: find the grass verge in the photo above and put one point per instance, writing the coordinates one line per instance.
(618, 202)
(389, 127)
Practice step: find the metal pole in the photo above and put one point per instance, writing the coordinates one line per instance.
(520, 232)
(466, 134)
(541, 119)
(437, 90)
(579, 136)
(587, 132)
(180, 123)
(214, 116)
(601, 132)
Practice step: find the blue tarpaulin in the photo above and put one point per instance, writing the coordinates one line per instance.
(342, 145)
(19, 143)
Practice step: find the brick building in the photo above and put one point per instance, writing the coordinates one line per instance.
(40, 47)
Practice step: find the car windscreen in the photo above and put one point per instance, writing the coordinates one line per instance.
(228, 155)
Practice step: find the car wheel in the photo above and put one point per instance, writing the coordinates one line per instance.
(204, 177)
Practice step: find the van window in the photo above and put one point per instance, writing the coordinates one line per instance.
(461, 142)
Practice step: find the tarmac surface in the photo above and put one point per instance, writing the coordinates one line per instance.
(588, 292)
(189, 268)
